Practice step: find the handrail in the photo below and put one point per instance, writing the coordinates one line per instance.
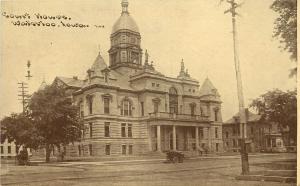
(167, 115)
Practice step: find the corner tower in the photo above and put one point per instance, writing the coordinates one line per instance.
(125, 50)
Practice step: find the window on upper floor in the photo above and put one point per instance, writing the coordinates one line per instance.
(81, 112)
(107, 149)
(153, 84)
(193, 108)
(123, 130)
(142, 109)
(2, 149)
(226, 134)
(216, 133)
(126, 108)
(106, 129)
(106, 101)
(129, 130)
(90, 103)
(155, 104)
(216, 111)
(252, 130)
(8, 149)
(91, 129)
(201, 111)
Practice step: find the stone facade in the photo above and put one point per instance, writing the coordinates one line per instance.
(128, 107)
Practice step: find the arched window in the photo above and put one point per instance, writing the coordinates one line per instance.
(126, 107)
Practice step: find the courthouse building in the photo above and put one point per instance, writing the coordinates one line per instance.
(129, 107)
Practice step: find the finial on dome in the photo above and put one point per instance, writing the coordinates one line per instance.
(146, 57)
(182, 66)
(124, 6)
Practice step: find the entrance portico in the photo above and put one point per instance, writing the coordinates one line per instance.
(176, 137)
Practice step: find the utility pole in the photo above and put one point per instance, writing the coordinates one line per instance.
(242, 113)
(23, 89)
(23, 95)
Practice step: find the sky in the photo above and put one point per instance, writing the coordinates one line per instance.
(196, 30)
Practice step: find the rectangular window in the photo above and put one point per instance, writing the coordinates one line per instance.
(217, 147)
(81, 109)
(90, 149)
(8, 149)
(142, 108)
(106, 129)
(126, 108)
(106, 105)
(2, 150)
(129, 130)
(107, 149)
(123, 130)
(233, 131)
(130, 150)
(216, 115)
(233, 143)
(91, 129)
(124, 149)
(227, 144)
(192, 110)
(201, 133)
(90, 103)
(216, 133)
(252, 130)
(155, 107)
(153, 84)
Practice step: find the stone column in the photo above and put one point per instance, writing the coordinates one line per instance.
(197, 137)
(174, 137)
(158, 139)
(150, 138)
(209, 138)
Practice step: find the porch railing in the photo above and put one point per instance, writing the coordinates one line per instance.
(166, 115)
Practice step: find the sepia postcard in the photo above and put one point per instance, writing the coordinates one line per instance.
(137, 92)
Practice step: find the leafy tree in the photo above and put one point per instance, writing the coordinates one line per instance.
(280, 107)
(55, 118)
(19, 128)
(286, 26)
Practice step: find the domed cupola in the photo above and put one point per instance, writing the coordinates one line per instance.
(125, 21)
(125, 41)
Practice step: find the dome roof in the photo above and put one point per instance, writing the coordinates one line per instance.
(125, 21)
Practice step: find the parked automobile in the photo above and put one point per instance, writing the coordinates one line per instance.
(175, 156)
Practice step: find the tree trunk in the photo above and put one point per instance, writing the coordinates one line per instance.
(48, 152)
